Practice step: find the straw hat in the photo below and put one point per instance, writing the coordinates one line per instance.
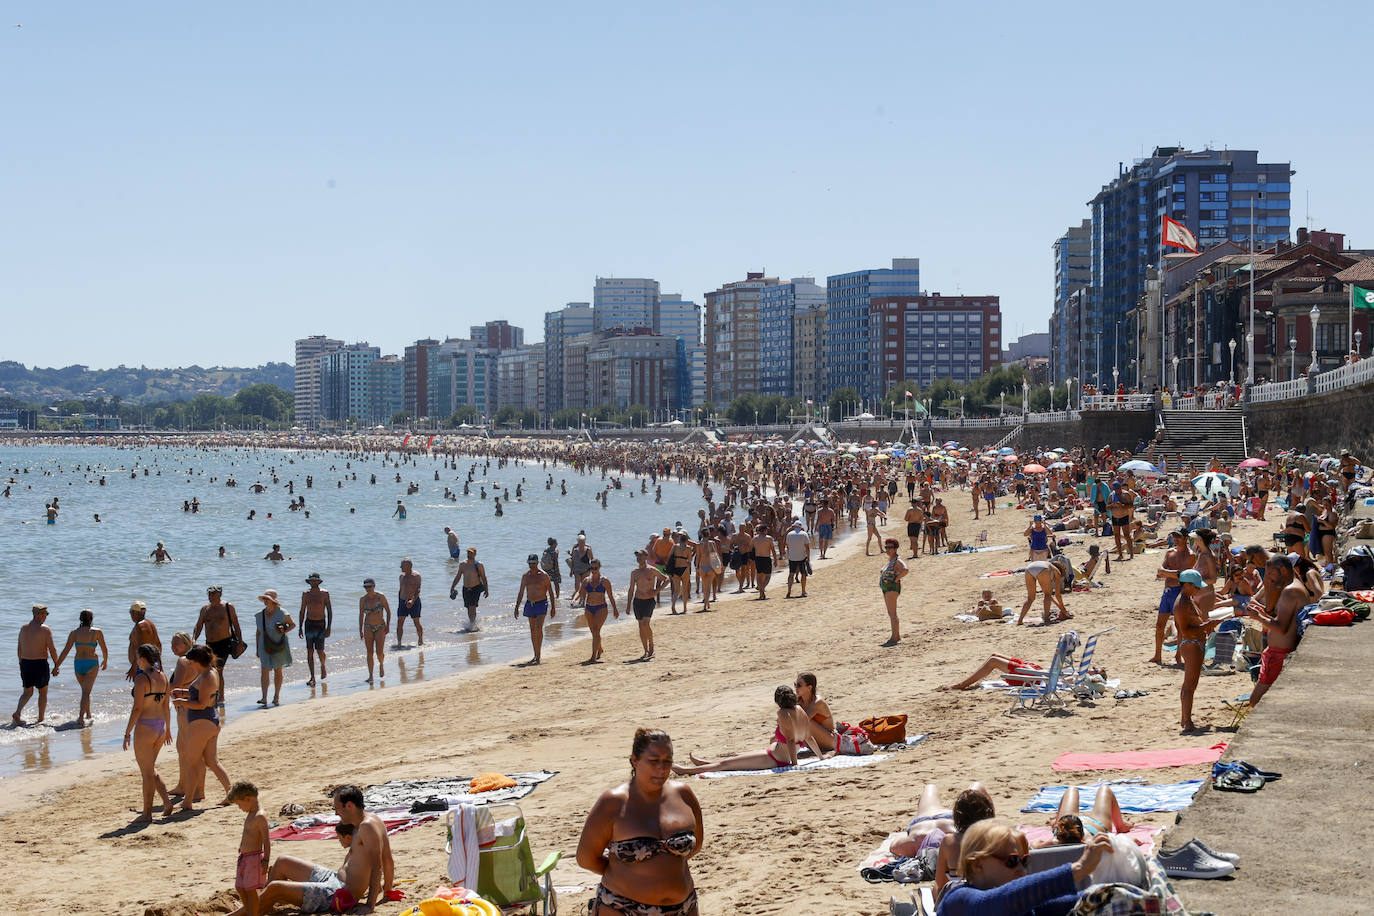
(269, 595)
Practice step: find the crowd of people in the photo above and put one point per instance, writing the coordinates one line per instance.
(776, 506)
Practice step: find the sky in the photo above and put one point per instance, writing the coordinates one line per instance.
(204, 183)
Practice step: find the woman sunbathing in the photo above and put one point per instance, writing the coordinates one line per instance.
(822, 722)
(1071, 826)
(993, 860)
(932, 819)
(792, 731)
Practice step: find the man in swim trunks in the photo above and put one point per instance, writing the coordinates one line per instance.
(367, 871)
(143, 633)
(915, 518)
(537, 588)
(645, 584)
(765, 552)
(825, 526)
(317, 622)
(35, 647)
(1285, 590)
(472, 578)
(454, 551)
(408, 603)
(221, 624)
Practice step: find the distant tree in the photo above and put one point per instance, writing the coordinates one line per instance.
(402, 418)
(843, 402)
(637, 415)
(568, 417)
(465, 414)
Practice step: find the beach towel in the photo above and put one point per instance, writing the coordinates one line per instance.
(830, 763)
(321, 826)
(463, 849)
(455, 790)
(1142, 834)
(1135, 799)
(1141, 760)
(997, 574)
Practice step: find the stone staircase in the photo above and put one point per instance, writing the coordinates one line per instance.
(1201, 435)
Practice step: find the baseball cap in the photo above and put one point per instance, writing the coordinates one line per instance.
(214, 590)
(1190, 577)
(138, 606)
(532, 558)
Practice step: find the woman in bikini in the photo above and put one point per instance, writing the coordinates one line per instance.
(1324, 533)
(817, 710)
(181, 676)
(890, 584)
(793, 730)
(1072, 827)
(147, 728)
(85, 639)
(709, 566)
(1193, 626)
(679, 571)
(595, 593)
(374, 622)
(641, 835)
(199, 699)
(1205, 561)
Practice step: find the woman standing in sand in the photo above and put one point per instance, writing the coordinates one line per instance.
(148, 727)
(85, 638)
(890, 584)
(181, 676)
(596, 594)
(640, 835)
(274, 649)
(200, 749)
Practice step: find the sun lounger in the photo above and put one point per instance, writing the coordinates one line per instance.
(1040, 690)
(1079, 682)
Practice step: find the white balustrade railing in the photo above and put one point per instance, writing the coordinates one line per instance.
(1052, 416)
(1118, 402)
(1278, 391)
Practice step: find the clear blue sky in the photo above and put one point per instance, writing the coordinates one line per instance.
(187, 182)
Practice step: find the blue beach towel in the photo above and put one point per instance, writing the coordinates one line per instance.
(1136, 799)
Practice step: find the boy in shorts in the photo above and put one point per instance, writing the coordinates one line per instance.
(255, 848)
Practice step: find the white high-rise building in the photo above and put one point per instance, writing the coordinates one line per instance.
(624, 302)
(306, 384)
(678, 317)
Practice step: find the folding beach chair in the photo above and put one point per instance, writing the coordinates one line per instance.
(506, 875)
(922, 905)
(1078, 682)
(983, 538)
(1042, 689)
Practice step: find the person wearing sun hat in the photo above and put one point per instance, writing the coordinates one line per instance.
(273, 647)
(317, 622)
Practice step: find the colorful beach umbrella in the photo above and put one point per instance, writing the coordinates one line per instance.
(1254, 463)
(1034, 468)
(1212, 485)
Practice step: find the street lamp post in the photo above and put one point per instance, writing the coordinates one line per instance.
(1314, 315)
(1176, 374)
(1359, 335)
(1195, 366)
(961, 407)
(1250, 355)
(1232, 345)
(1292, 358)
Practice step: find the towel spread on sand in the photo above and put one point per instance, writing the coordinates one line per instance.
(1143, 834)
(402, 793)
(1141, 760)
(1135, 799)
(321, 826)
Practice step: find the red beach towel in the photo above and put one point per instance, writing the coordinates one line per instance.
(326, 831)
(1141, 760)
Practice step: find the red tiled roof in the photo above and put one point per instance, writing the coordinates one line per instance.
(1359, 272)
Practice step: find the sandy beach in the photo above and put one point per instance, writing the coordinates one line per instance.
(773, 842)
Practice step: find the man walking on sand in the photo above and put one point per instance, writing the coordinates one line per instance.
(1178, 558)
(408, 603)
(537, 588)
(317, 622)
(35, 647)
(765, 551)
(798, 557)
(220, 622)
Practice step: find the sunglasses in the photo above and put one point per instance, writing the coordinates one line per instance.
(1014, 862)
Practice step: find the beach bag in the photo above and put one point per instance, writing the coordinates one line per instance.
(1358, 567)
(885, 729)
(852, 741)
(238, 646)
(272, 646)
(1342, 618)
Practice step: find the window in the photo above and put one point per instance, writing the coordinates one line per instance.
(1219, 176)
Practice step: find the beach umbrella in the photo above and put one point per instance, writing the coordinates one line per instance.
(1034, 469)
(1010, 458)
(1254, 463)
(873, 442)
(1138, 466)
(951, 444)
(1212, 485)
(1060, 465)
(881, 457)
(1007, 450)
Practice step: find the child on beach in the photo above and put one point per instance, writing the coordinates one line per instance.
(255, 848)
(988, 607)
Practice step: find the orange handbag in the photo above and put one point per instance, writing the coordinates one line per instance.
(885, 729)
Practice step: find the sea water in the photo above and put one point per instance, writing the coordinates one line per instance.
(350, 535)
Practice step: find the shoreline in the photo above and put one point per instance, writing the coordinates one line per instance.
(710, 686)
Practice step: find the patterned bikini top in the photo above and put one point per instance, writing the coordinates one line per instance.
(640, 848)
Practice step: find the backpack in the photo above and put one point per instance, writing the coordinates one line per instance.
(1358, 567)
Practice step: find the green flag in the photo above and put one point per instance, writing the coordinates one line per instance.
(1362, 298)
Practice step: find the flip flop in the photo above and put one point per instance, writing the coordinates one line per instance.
(1252, 770)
